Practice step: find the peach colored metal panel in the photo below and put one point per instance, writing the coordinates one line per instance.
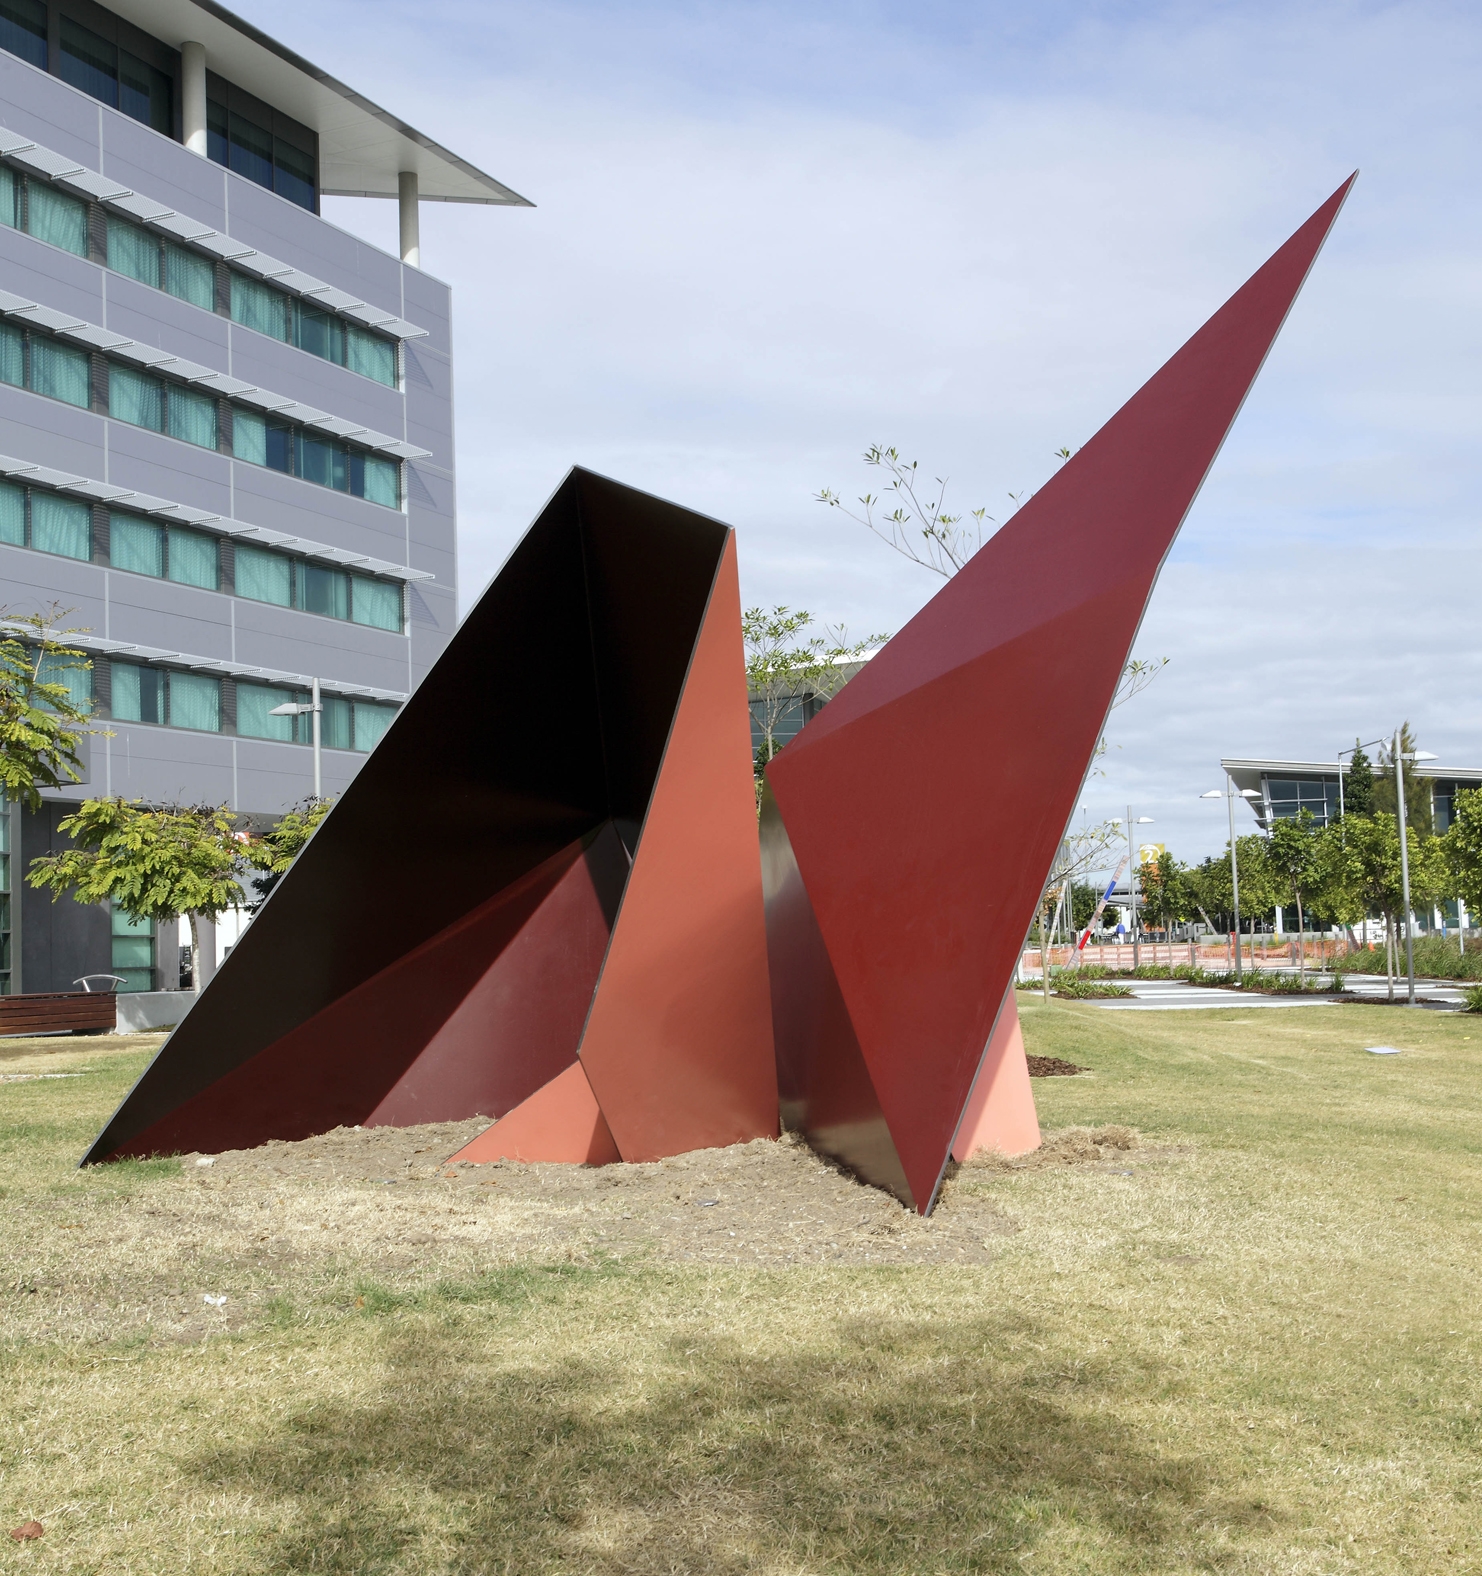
(678, 1047)
(560, 1121)
(1000, 1112)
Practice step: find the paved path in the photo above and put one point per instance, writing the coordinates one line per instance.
(1179, 995)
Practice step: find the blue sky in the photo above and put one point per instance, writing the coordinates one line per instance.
(769, 235)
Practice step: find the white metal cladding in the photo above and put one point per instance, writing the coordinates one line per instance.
(144, 210)
(67, 326)
(362, 147)
(182, 514)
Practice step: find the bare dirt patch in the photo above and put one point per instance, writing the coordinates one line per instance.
(761, 1203)
(1052, 1067)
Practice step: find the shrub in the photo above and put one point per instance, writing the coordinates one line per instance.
(1087, 990)
(1473, 999)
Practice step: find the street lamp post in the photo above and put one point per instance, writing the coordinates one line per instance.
(1229, 795)
(1142, 820)
(1416, 755)
(315, 709)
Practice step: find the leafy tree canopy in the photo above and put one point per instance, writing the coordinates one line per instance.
(40, 724)
(154, 864)
(1358, 784)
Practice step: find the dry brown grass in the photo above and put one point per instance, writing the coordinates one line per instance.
(1224, 1322)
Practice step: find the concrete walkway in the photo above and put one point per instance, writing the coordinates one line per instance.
(1179, 995)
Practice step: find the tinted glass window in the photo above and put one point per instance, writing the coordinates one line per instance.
(23, 29)
(263, 576)
(190, 276)
(61, 372)
(371, 356)
(251, 150)
(146, 94)
(293, 176)
(89, 62)
(137, 545)
(133, 251)
(218, 145)
(260, 307)
(320, 333)
(56, 218)
(325, 590)
(193, 558)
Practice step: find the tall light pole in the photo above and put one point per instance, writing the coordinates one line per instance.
(1229, 795)
(1142, 820)
(316, 709)
(1415, 755)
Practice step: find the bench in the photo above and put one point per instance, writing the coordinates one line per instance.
(58, 1012)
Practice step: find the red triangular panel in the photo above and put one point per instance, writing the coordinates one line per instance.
(678, 1046)
(558, 1122)
(924, 805)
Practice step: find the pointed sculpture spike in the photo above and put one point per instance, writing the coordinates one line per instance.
(925, 803)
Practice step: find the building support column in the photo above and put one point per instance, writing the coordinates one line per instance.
(411, 236)
(193, 97)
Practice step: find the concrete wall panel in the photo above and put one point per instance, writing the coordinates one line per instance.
(155, 318)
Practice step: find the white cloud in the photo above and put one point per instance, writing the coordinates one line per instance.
(765, 239)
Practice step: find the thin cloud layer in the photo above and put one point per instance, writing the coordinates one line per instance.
(764, 240)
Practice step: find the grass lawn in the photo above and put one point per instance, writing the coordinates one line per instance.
(1250, 1345)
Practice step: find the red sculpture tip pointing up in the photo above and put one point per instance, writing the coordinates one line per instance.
(912, 823)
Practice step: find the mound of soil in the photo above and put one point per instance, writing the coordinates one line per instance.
(1053, 1067)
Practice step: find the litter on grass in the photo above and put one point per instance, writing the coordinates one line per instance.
(1383, 1050)
(216, 1302)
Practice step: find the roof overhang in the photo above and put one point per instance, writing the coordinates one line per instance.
(362, 147)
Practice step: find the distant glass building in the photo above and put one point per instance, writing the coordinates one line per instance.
(226, 425)
(1284, 789)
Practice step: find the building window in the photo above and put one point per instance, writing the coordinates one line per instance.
(343, 724)
(45, 521)
(58, 218)
(267, 576)
(115, 77)
(145, 401)
(167, 552)
(162, 265)
(133, 951)
(44, 366)
(280, 316)
(312, 457)
(1289, 796)
(166, 697)
(74, 674)
(23, 30)
(250, 149)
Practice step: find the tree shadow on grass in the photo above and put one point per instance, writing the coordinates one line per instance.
(894, 1447)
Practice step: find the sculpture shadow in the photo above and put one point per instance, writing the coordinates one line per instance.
(894, 1445)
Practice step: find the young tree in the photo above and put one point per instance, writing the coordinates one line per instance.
(42, 721)
(783, 669)
(1292, 856)
(1358, 784)
(1164, 885)
(274, 851)
(1463, 845)
(1372, 844)
(154, 863)
(1417, 789)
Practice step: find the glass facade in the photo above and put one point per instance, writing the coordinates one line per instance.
(167, 552)
(343, 724)
(280, 316)
(267, 576)
(116, 77)
(237, 138)
(1289, 796)
(133, 950)
(46, 521)
(23, 30)
(315, 457)
(164, 696)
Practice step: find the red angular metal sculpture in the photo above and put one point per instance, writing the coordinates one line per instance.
(541, 897)
(908, 829)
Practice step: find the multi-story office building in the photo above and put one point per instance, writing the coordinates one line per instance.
(226, 440)
(1283, 789)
